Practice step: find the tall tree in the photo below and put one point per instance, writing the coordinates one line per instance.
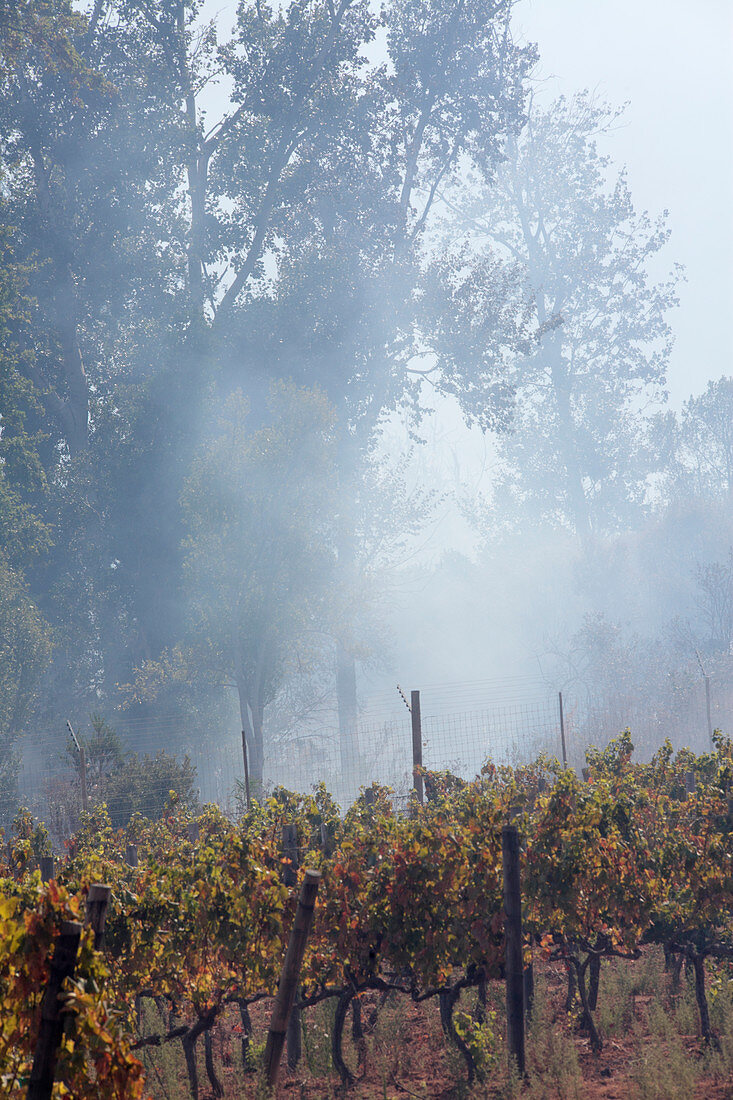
(87, 154)
(181, 257)
(90, 145)
(453, 86)
(24, 537)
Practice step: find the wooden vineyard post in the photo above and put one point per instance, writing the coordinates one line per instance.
(562, 732)
(290, 878)
(96, 911)
(49, 1034)
(416, 744)
(83, 773)
(328, 839)
(82, 765)
(246, 771)
(290, 974)
(513, 950)
(131, 855)
(46, 868)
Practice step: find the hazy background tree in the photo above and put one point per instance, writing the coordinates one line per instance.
(551, 299)
(259, 509)
(698, 446)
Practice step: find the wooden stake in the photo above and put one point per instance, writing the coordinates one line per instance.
(513, 950)
(82, 765)
(96, 911)
(562, 732)
(246, 770)
(83, 774)
(290, 975)
(416, 744)
(131, 855)
(61, 967)
(290, 878)
(328, 839)
(46, 868)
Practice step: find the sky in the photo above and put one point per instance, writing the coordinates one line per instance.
(673, 63)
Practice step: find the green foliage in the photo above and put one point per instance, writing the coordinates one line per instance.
(143, 785)
(484, 1040)
(24, 655)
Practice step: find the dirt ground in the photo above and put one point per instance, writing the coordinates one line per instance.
(651, 1051)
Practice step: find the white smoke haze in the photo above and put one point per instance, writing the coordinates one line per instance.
(485, 451)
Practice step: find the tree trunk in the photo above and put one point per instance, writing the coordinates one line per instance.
(567, 443)
(596, 1042)
(447, 1001)
(258, 755)
(246, 1035)
(252, 726)
(189, 1052)
(698, 963)
(214, 1081)
(345, 662)
(595, 975)
(337, 1035)
(550, 351)
(357, 1030)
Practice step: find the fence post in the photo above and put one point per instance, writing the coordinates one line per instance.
(46, 868)
(290, 974)
(328, 839)
(290, 878)
(51, 1028)
(96, 910)
(416, 744)
(562, 732)
(708, 709)
(82, 765)
(83, 773)
(131, 855)
(246, 770)
(513, 949)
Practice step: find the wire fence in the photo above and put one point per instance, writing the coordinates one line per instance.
(508, 722)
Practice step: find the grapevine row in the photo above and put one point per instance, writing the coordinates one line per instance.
(630, 854)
